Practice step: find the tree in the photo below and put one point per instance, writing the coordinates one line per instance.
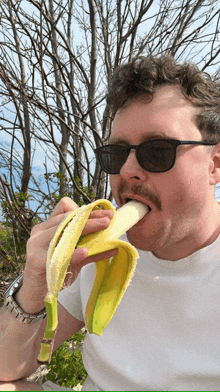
(57, 58)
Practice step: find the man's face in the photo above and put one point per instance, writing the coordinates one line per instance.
(179, 198)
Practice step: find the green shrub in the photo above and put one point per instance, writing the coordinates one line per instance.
(66, 366)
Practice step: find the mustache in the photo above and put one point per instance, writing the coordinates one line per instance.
(138, 190)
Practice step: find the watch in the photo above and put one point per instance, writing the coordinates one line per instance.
(13, 307)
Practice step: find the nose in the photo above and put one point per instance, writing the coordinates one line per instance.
(132, 170)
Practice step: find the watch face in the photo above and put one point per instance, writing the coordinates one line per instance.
(9, 301)
(14, 286)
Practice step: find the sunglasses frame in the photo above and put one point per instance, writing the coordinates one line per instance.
(173, 142)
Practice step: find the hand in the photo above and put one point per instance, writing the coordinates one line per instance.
(42, 234)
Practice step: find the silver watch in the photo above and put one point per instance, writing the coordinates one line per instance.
(13, 307)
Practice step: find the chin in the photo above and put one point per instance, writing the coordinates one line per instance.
(145, 240)
(137, 240)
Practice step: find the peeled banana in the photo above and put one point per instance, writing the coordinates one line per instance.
(111, 277)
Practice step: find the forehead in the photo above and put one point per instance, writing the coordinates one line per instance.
(168, 114)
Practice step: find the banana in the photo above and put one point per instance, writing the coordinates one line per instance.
(111, 278)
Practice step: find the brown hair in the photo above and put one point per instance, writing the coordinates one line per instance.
(142, 75)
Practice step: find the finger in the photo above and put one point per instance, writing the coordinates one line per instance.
(43, 233)
(100, 222)
(98, 257)
(74, 268)
(101, 213)
(102, 256)
(57, 218)
(52, 222)
(94, 225)
(80, 259)
(65, 205)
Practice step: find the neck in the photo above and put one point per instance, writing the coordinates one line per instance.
(206, 232)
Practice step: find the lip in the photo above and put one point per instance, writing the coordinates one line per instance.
(134, 197)
(142, 221)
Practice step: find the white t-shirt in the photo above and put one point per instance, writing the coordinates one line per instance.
(165, 334)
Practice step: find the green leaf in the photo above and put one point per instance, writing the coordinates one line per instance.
(67, 369)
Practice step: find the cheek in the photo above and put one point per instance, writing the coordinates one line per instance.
(185, 189)
(192, 170)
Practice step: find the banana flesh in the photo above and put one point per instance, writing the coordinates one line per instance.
(111, 277)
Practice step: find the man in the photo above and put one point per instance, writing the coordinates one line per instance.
(165, 333)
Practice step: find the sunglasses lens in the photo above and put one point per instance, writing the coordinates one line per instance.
(112, 158)
(156, 156)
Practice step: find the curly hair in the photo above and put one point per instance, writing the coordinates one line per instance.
(143, 75)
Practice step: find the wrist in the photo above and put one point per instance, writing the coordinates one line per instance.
(30, 296)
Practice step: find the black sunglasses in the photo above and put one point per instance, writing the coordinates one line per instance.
(156, 156)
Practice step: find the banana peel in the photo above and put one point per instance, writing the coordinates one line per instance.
(111, 277)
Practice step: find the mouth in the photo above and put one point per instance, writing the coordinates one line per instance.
(127, 199)
(143, 220)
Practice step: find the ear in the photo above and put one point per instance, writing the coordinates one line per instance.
(214, 169)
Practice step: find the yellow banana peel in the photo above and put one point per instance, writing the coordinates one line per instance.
(111, 277)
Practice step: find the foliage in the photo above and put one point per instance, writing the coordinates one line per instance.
(57, 178)
(86, 190)
(3, 235)
(10, 209)
(7, 246)
(66, 366)
(17, 220)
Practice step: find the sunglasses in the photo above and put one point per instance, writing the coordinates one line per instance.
(156, 156)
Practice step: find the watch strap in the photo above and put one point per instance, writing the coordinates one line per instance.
(11, 305)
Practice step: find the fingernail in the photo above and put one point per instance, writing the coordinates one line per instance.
(82, 252)
(102, 221)
(107, 213)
